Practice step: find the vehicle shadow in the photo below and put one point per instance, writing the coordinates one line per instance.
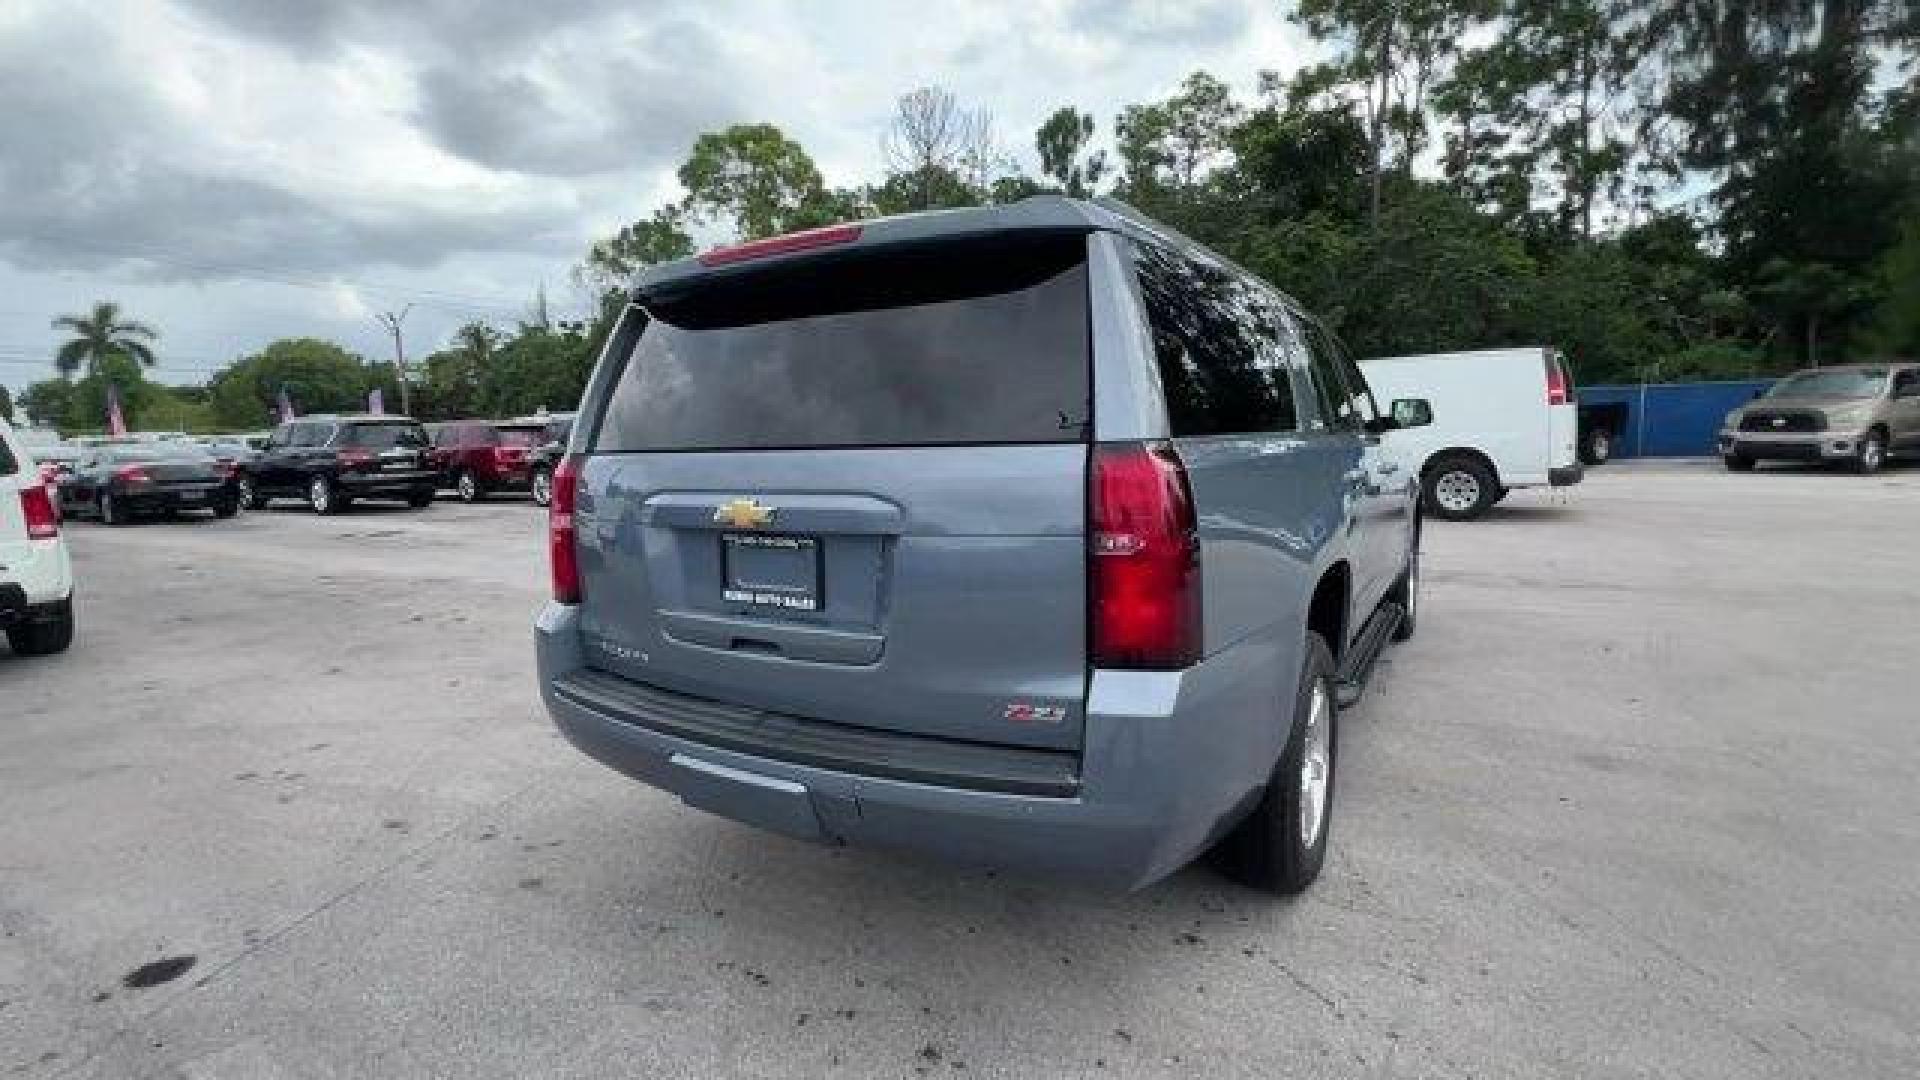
(808, 940)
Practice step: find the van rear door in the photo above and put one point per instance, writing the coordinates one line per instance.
(851, 486)
(1563, 414)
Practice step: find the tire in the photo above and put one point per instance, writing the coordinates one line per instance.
(468, 487)
(44, 638)
(1737, 463)
(110, 512)
(420, 499)
(323, 497)
(1271, 849)
(1873, 453)
(1459, 489)
(1598, 447)
(542, 486)
(1406, 593)
(244, 495)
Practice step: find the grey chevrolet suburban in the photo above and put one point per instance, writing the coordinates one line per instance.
(1033, 536)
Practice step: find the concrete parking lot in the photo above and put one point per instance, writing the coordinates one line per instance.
(1639, 800)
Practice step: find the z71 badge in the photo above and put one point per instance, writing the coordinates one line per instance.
(1020, 712)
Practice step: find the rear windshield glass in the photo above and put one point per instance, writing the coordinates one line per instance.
(383, 436)
(955, 343)
(520, 436)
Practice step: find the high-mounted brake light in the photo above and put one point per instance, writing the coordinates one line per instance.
(780, 245)
(43, 521)
(562, 556)
(1144, 565)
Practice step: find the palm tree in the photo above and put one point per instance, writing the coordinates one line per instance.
(101, 334)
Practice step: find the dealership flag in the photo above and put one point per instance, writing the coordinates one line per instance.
(376, 402)
(116, 420)
(285, 406)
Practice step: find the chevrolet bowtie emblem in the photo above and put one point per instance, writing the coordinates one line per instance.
(743, 514)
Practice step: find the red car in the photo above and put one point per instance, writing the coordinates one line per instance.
(477, 457)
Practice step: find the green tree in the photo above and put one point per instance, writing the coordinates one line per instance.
(6, 405)
(1064, 142)
(87, 406)
(613, 263)
(1396, 52)
(100, 333)
(318, 376)
(1896, 326)
(454, 374)
(44, 403)
(1170, 144)
(538, 369)
(756, 178)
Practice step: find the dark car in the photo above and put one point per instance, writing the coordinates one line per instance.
(234, 451)
(546, 457)
(477, 457)
(122, 483)
(331, 461)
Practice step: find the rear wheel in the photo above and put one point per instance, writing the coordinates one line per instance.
(322, 496)
(246, 497)
(542, 485)
(468, 487)
(1738, 463)
(44, 637)
(1460, 488)
(1599, 446)
(1282, 845)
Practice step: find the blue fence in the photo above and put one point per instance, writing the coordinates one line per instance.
(1666, 419)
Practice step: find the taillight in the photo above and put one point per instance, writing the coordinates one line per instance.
(508, 455)
(133, 475)
(1144, 570)
(354, 459)
(780, 245)
(561, 555)
(43, 522)
(1556, 382)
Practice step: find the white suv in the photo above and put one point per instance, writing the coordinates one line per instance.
(36, 578)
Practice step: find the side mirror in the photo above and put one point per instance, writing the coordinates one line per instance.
(1412, 413)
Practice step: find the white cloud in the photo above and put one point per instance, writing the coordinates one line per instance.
(287, 167)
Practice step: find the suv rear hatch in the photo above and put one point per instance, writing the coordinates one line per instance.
(850, 486)
(392, 445)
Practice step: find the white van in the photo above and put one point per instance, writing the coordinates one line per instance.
(36, 577)
(1502, 419)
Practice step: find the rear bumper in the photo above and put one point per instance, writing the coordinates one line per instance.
(1566, 476)
(17, 608)
(162, 500)
(37, 575)
(386, 485)
(1151, 794)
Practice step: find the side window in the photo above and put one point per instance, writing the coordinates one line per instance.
(1907, 383)
(1329, 389)
(281, 437)
(1221, 343)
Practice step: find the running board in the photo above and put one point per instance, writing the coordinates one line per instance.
(1351, 680)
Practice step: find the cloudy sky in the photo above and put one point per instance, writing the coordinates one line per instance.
(239, 170)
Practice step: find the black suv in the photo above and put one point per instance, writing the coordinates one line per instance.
(332, 460)
(546, 457)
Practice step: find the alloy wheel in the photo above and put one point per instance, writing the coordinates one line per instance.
(1457, 491)
(1316, 765)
